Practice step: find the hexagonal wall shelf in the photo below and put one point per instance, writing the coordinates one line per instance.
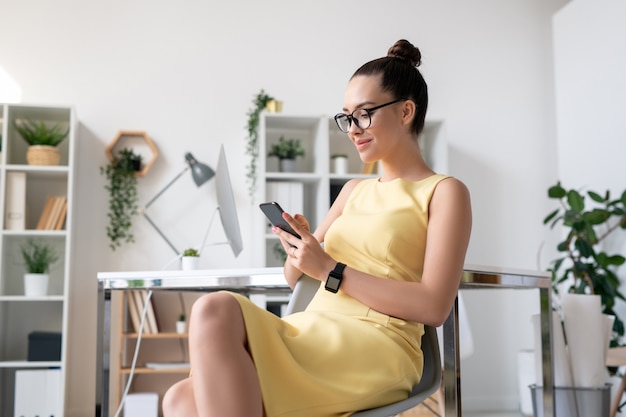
(140, 143)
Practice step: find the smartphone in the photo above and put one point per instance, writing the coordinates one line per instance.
(274, 213)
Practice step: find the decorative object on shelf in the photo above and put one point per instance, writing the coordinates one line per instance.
(181, 324)
(274, 106)
(190, 259)
(584, 267)
(37, 256)
(42, 140)
(134, 139)
(122, 188)
(259, 103)
(286, 150)
(340, 163)
(200, 173)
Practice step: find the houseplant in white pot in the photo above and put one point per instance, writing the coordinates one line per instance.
(181, 324)
(190, 259)
(37, 256)
(42, 139)
(286, 150)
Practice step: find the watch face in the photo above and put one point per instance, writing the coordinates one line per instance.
(332, 283)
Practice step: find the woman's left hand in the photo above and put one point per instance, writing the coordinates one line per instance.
(304, 253)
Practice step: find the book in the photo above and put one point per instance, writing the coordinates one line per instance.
(140, 307)
(15, 216)
(133, 312)
(61, 219)
(150, 316)
(57, 207)
(45, 214)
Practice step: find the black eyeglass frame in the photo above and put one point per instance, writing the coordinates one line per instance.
(351, 119)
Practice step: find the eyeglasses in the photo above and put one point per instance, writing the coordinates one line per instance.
(362, 118)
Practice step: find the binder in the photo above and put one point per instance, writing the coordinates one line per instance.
(15, 216)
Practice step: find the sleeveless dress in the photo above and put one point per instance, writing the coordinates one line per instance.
(340, 356)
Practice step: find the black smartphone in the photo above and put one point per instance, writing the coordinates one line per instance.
(274, 212)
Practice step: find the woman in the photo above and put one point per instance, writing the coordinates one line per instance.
(393, 254)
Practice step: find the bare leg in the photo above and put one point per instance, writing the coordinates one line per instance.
(225, 382)
(179, 401)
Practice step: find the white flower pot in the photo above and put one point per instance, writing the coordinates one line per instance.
(36, 285)
(190, 262)
(340, 165)
(287, 165)
(181, 327)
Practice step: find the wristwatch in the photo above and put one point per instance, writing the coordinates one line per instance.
(334, 278)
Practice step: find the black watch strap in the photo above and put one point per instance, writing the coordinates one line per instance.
(334, 278)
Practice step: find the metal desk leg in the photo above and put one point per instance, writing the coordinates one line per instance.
(101, 380)
(549, 407)
(451, 362)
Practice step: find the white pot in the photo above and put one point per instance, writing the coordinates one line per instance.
(190, 262)
(36, 285)
(340, 165)
(287, 165)
(181, 327)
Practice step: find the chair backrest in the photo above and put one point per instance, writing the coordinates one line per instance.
(431, 377)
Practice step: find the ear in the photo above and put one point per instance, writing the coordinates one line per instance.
(408, 112)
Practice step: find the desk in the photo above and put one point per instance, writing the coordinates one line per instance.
(259, 280)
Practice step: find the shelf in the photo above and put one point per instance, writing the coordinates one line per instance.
(30, 364)
(147, 371)
(164, 335)
(23, 298)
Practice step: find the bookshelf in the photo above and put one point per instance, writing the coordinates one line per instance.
(25, 195)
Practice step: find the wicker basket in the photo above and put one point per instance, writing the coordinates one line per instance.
(43, 155)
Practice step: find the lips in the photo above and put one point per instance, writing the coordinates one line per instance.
(362, 144)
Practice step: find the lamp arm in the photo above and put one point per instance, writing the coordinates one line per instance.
(161, 233)
(166, 187)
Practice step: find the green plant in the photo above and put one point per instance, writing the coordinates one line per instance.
(338, 155)
(286, 149)
(182, 317)
(38, 256)
(252, 147)
(122, 188)
(583, 267)
(191, 252)
(39, 133)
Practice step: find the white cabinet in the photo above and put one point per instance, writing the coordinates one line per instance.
(42, 319)
(313, 186)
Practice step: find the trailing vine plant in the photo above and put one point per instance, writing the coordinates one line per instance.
(123, 198)
(252, 147)
(583, 265)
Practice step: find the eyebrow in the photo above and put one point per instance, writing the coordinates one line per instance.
(360, 105)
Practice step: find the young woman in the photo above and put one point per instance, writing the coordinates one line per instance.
(392, 259)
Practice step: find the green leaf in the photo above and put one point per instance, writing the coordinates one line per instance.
(556, 191)
(551, 216)
(576, 201)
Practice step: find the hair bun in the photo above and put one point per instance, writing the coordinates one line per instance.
(405, 50)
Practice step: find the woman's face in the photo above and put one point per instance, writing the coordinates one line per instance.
(380, 138)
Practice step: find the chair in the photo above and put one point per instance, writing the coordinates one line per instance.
(431, 378)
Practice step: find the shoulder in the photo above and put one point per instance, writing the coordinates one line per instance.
(451, 194)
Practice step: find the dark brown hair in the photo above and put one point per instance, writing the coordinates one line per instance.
(399, 75)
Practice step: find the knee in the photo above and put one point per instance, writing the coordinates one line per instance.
(214, 310)
(178, 400)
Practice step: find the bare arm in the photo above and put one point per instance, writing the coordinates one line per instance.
(428, 301)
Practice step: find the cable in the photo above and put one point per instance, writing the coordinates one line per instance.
(135, 355)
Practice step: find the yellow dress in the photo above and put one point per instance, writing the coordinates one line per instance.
(339, 356)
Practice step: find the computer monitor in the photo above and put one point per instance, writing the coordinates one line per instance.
(226, 204)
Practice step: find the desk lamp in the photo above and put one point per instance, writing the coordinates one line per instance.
(200, 173)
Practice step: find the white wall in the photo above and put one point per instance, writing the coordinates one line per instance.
(186, 72)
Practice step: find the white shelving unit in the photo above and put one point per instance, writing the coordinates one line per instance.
(21, 315)
(321, 139)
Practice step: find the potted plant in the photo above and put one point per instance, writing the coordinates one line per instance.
(190, 259)
(252, 147)
(340, 163)
(584, 267)
(122, 188)
(37, 256)
(42, 139)
(181, 324)
(286, 150)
